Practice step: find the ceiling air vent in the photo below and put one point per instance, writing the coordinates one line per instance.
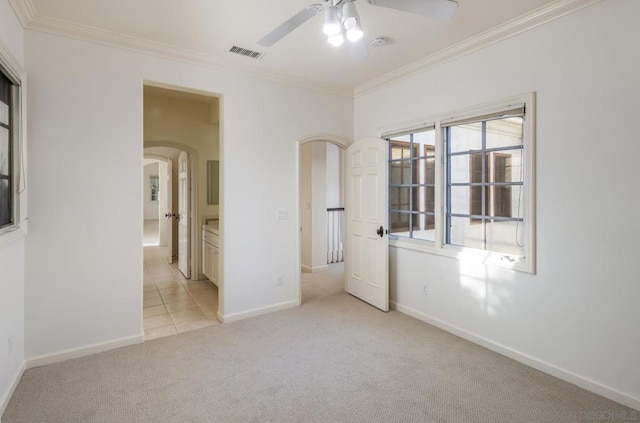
(245, 52)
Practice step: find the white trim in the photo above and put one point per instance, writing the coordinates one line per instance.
(104, 37)
(256, 312)
(24, 10)
(315, 269)
(530, 20)
(86, 350)
(30, 19)
(4, 400)
(548, 368)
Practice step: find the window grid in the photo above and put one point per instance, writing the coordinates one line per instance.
(484, 216)
(413, 187)
(6, 154)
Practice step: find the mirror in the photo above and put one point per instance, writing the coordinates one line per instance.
(213, 181)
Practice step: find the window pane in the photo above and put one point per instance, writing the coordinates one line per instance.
(466, 137)
(399, 223)
(425, 143)
(399, 198)
(507, 201)
(465, 234)
(4, 113)
(4, 151)
(504, 132)
(464, 167)
(504, 237)
(5, 203)
(400, 173)
(465, 200)
(423, 227)
(5, 99)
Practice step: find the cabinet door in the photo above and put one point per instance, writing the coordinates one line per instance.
(215, 257)
(207, 260)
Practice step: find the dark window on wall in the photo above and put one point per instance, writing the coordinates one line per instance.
(6, 152)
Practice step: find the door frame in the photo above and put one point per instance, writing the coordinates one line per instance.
(341, 143)
(194, 231)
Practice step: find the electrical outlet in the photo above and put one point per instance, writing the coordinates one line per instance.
(10, 345)
(280, 279)
(425, 289)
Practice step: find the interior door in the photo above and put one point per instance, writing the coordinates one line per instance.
(184, 259)
(168, 214)
(366, 243)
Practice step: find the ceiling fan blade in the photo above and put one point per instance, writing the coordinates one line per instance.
(441, 9)
(290, 24)
(358, 50)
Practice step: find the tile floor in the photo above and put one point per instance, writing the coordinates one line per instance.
(173, 304)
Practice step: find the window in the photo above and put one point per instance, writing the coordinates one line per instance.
(6, 152)
(155, 187)
(9, 151)
(464, 186)
(484, 183)
(412, 184)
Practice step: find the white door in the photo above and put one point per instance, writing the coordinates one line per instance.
(183, 215)
(366, 243)
(168, 214)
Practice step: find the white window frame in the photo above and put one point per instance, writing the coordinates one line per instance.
(17, 75)
(526, 263)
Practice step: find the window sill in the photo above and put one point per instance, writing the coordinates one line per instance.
(8, 237)
(488, 258)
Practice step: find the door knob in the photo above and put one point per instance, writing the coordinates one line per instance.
(380, 231)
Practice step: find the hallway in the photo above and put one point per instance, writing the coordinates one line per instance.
(173, 304)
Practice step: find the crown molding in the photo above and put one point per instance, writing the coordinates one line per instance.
(510, 28)
(32, 21)
(24, 10)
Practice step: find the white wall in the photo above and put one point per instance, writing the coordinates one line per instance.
(12, 278)
(580, 313)
(84, 286)
(150, 208)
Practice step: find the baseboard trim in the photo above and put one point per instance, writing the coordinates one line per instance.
(228, 318)
(308, 269)
(4, 401)
(57, 357)
(543, 366)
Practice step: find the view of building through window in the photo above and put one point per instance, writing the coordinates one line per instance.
(412, 185)
(484, 185)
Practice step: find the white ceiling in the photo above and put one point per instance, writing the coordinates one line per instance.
(206, 30)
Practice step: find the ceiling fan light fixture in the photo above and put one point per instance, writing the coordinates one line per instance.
(336, 40)
(331, 21)
(355, 34)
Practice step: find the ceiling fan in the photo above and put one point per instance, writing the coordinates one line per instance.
(341, 18)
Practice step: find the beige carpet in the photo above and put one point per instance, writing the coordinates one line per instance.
(334, 359)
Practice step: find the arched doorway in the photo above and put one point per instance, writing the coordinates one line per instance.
(320, 209)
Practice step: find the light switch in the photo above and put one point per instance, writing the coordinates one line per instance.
(282, 214)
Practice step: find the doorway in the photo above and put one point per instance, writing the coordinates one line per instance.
(181, 137)
(321, 217)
